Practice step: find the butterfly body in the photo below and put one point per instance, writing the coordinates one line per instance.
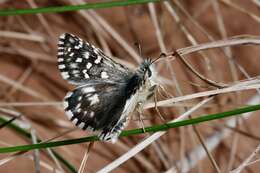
(106, 93)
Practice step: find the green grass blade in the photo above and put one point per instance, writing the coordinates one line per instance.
(58, 9)
(150, 129)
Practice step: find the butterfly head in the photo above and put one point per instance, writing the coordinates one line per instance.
(146, 69)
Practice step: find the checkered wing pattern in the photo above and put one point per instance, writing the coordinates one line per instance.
(101, 100)
(97, 107)
(80, 62)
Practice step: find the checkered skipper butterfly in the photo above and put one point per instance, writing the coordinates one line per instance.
(106, 93)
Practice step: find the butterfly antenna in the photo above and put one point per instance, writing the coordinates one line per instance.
(138, 46)
(162, 55)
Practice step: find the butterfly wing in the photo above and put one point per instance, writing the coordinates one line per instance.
(80, 62)
(99, 107)
(106, 92)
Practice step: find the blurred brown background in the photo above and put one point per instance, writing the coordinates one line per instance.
(28, 73)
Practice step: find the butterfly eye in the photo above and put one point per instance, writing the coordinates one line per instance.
(149, 72)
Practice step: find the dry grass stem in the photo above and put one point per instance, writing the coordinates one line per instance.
(247, 161)
(139, 147)
(85, 158)
(22, 36)
(210, 66)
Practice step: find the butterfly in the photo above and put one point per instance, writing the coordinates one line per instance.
(106, 92)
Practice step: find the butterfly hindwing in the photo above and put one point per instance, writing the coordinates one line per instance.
(96, 106)
(80, 62)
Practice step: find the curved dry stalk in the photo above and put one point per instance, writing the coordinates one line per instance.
(208, 81)
(246, 85)
(231, 41)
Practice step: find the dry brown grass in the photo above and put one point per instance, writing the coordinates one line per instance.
(32, 86)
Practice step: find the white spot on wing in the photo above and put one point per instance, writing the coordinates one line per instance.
(104, 75)
(86, 55)
(93, 99)
(71, 40)
(78, 105)
(88, 90)
(91, 115)
(62, 66)
(73, 65)
(114, 137)
(61, 42)
(62, 36)
(65, 104)
(79, 60)
(78, 110)
(68, 94)
(69, 114)
(98, 60)
(80, 98)
(75, 121)
(85, 74)
(90, 128)
(60, 59)
(65, 75)
(75, 72)
(81, 125)
(89, 65)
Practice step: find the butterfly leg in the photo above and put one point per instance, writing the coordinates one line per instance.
(156, 108)
(163, 92)
(140, 115)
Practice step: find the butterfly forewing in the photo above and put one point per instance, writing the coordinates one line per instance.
(80, 62)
